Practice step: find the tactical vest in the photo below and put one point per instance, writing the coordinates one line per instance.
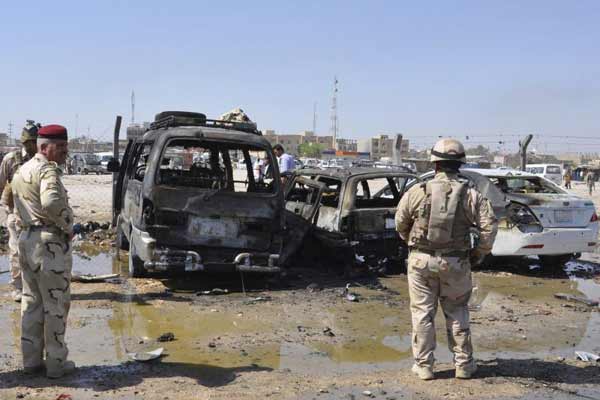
(442, 222)
(7, 196)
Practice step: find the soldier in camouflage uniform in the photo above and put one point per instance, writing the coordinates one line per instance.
(42, 206)
(10, 163)
(439, 220)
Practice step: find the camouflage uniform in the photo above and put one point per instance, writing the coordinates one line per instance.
(42, 206)
(443, 272)
(10, 163)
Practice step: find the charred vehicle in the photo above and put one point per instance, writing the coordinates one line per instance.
(347, 215)
(535, 216)
(180, 207)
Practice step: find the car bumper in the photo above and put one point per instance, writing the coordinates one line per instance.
(163, 259)
(551, 241)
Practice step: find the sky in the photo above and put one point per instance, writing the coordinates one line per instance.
(490, 70)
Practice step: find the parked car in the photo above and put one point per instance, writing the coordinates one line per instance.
(344, 214)
(177, 212)
(86, 163)
(536, 217)
(552, 172)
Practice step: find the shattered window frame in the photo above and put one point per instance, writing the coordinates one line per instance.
(229, 146)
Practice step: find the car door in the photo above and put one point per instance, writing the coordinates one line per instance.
(302, 199)
(119, 184)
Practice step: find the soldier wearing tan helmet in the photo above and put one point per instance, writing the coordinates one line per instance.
(438, 220)
(10, 163)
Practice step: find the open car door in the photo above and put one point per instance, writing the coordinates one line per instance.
(302, 200)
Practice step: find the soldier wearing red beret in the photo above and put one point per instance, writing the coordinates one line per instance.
(42, 206)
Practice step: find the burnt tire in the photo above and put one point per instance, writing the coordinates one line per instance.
(135, 265)
(181, 114)
(555, 263)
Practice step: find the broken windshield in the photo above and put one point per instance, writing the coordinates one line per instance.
(214, 165)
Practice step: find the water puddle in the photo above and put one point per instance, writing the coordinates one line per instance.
(514, 316)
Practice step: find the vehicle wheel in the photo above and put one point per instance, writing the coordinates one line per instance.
(136, 265)
(555, 262)
(84, 172)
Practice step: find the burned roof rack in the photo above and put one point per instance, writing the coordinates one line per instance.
(169, 119)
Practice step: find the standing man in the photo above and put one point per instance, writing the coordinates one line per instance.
(567, 178)
(286, 161)
(440, 220)
(10, 163)
(589, 181)
(42, 206)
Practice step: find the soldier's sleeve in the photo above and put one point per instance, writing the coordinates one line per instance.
(486, 221)
(4, 172)
(404, 213)
(54, 200)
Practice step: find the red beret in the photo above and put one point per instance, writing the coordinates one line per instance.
(55, 132)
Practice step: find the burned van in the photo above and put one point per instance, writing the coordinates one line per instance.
(182, 205)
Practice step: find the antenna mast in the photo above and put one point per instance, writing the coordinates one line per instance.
(315, 118)
(132, 107)
(334, 116)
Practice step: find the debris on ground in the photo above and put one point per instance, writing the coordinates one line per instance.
(166, 337)
(146, 356)
(258, 299)
(91, 278)
(576, 299)
(328, 332)
(215, 291)
(348, 295)
(313, 287)
(585, 356)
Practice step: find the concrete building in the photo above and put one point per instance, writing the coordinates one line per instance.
(290, 142)
(381, 146)
(347, 145)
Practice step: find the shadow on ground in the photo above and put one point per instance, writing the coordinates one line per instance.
(539, 370)
(111, 377)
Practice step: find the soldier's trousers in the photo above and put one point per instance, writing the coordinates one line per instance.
(447, 280)
(13, 251)
(47, 261)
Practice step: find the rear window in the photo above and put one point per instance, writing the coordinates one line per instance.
(517, 184)
(553, 170)
(535, 170)
(211, 165)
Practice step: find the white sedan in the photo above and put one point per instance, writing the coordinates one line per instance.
(535, 216)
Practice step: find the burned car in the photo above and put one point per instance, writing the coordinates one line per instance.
(182, 205)
(347, 216)
(535, 216)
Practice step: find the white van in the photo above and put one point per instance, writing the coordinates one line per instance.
(552, 172)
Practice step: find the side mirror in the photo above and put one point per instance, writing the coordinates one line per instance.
(113, 165)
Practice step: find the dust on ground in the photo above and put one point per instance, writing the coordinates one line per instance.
(302, 339)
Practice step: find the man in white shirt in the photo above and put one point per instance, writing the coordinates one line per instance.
(286, 161)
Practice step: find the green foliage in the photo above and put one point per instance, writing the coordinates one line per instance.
(312, 150)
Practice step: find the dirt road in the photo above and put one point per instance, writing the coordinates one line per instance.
(302, 339)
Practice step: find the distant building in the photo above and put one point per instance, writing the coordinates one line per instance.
(291, 142)
(381, 146)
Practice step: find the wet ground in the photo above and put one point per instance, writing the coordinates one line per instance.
(302, 339)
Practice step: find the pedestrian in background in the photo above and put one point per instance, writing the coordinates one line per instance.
(590, 181)
(439, 221)
(9, 166)
(567, 178)
(286, 161)
(42, 207)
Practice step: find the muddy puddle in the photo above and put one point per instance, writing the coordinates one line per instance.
(514, 316)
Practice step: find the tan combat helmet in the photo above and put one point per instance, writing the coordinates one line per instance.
(448, 149)
(30, 131)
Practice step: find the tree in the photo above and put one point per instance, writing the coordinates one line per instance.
(312, 150)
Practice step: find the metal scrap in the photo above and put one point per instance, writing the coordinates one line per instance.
(576, 299)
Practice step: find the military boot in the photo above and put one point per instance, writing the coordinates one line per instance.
(466, 371)
(34, 370)
(68, 367)
(425, 373)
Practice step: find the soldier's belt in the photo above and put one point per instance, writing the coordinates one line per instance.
(443, 253)
(42, 227)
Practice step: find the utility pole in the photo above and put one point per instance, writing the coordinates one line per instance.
(10, 128)
(315, 118)
(132, 107)
(76, 125)
(334, 116)
(523, 150)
